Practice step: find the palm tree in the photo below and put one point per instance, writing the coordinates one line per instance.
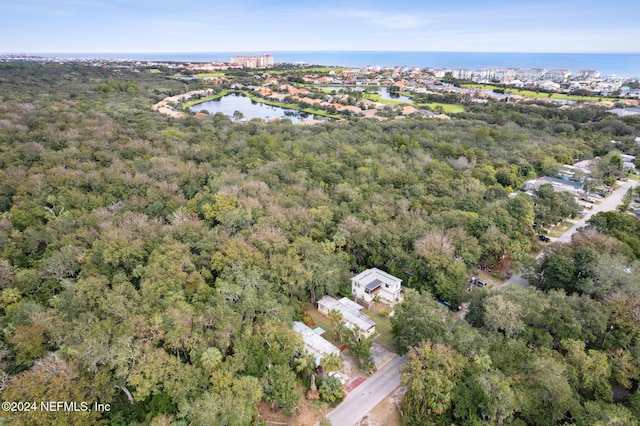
(211, 358)
(304, 364)
(331, 362)
(335, 317)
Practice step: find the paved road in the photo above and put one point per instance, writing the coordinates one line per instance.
(366, 396)
(610, 203)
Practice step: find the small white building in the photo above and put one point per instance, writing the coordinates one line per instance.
(317, 345)
(351, 315)
(367, 284)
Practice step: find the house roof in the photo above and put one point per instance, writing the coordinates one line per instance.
(314, 343)
(350, 311)
(370, 275)
(373, 284)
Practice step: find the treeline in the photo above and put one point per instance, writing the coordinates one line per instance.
(157, 264)
(521, 357)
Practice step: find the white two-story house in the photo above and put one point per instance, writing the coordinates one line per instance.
(367, 284)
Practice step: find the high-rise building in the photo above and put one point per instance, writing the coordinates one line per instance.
(262, 61)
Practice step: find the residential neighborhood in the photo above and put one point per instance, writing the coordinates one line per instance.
(383, 93)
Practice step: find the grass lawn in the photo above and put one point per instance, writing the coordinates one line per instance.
(320, 70)
(380, 314)
(561, 229)
(448, 108)
(383, 325)
(377, 98)
(540, 95)
(188, 104)
(210, 74)
(319, 320)
(154, 71)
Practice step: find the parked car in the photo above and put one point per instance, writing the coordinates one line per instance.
(544, 238)
(337, 376)
(480, 283)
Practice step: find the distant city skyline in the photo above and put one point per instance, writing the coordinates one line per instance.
(101, 26)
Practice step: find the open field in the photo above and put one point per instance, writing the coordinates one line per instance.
(210, 74)
(448, 108)
(539, 95)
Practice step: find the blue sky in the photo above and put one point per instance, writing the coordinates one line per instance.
(47, 26)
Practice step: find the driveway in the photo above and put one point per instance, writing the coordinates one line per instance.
(366, 396)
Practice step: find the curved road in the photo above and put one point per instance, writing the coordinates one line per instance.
(610, 203)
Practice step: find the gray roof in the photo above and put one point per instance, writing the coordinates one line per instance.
(374, 284)
(375, 274)
(349, 313)
(314, 343)
(562, 182)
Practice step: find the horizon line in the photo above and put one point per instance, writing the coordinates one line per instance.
(318, 50)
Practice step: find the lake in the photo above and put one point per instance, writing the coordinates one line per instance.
(381, 90)
(249, 109)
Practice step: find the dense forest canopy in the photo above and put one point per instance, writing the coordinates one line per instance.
(157, 264)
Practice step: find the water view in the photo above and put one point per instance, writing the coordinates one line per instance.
(241, 108)
(381, 90)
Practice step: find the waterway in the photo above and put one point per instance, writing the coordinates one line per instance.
(381, 90)
(249, 109)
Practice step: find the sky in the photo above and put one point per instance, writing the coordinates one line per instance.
(102, 26)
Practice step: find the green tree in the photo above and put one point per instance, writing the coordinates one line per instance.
(549, 397)
(589, 370)
(360, 347)
(211, 358)
(331, 390)
(331, 362)
(279, 388)
(232, 402)
(430, 376)
(54, 379)
(335, 317)
(418, 318)
(503, 315)
(501, 401)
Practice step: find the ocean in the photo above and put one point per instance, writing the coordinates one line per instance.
(609, 64)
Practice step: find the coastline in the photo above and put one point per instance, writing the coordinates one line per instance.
(625, 65)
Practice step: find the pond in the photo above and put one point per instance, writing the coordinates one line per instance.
(239, 107)
(381, 90)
